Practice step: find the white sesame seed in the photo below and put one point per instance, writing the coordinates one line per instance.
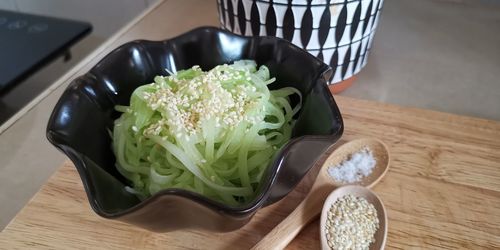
(352, 223)
(189, 103)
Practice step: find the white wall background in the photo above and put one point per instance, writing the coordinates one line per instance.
(8, 4)
(106, 16)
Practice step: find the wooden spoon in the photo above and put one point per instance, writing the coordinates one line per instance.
(371, 197)
(310, 207)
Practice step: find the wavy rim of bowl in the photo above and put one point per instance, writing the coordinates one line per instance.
(273, 168)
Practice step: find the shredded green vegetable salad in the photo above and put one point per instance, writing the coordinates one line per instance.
(212, 132)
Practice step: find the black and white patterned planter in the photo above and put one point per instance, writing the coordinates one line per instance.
(339, 32)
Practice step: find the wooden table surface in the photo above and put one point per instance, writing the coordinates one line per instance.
(442, 190)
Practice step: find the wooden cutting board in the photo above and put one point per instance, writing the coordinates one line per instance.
(442, 191)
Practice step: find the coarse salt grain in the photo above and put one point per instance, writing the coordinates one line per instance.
(351, 223)
(358, 166)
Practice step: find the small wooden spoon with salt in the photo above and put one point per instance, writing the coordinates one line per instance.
(311, 206)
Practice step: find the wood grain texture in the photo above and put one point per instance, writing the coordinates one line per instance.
(442, 190)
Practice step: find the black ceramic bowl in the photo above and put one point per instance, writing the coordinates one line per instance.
(82, 118)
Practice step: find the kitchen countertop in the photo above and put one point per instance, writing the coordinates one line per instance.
(435, 54)
(24, 150)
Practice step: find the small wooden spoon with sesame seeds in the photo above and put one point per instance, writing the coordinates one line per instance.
(356, 191)
(311, 206)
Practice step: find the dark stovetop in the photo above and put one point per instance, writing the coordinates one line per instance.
(27, 43)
